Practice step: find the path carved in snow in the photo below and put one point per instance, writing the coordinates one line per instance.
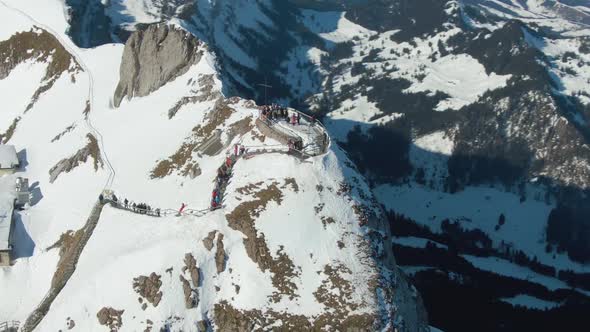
(318, 146)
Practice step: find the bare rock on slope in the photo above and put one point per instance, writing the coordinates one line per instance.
(191, 296)
(208, 241)
(39, 46)
(220, 254)
(149, 288)
(153, 57)
(111, 318)
(68, 164)
(191, 265)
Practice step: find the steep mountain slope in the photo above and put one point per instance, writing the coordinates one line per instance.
(301, 243)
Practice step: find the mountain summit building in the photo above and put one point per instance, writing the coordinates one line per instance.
(7, 197)
(8, 159)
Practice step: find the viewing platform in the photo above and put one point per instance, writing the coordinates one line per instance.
(300, 132)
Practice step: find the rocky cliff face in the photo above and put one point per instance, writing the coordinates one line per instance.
(154, 56)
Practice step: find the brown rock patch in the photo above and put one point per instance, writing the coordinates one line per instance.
(191, 266)
(220, 255)
(227, 318)
(242, 219)
(291, 182)
(40, 46)
(68, 164)
(60, 135)
(149, 288)
(4, 138)
(111, 318)
(208, 241)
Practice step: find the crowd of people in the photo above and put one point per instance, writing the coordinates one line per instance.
(141, 208)
(276, 113)
(223, 175)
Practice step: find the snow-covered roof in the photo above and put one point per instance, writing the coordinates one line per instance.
(8, 157)
(7, 195)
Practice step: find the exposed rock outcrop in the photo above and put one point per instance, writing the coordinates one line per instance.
(149, 288)
(202, 325)
(191, 266)
(191, 293)
(153, 57)
(111, 318)
(220, 254)
(40, 46)
(208, 241)
(191, 297)
(68, 164)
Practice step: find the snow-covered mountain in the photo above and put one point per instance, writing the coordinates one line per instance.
(298, 243)
(467, 118)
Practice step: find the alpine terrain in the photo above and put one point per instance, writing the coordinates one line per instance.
(294, 165)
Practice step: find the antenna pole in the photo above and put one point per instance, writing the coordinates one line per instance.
(265, 86)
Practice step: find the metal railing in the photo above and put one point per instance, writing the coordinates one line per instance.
(319, 137)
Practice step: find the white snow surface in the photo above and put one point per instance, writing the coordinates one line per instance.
(508, 269)
(462, 77)
(332, 26)
(416, 242)
(8, 157)
(530, 302)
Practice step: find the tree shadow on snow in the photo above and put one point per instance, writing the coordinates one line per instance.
(382, 153)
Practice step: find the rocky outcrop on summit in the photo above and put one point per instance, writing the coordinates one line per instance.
(153, 57)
